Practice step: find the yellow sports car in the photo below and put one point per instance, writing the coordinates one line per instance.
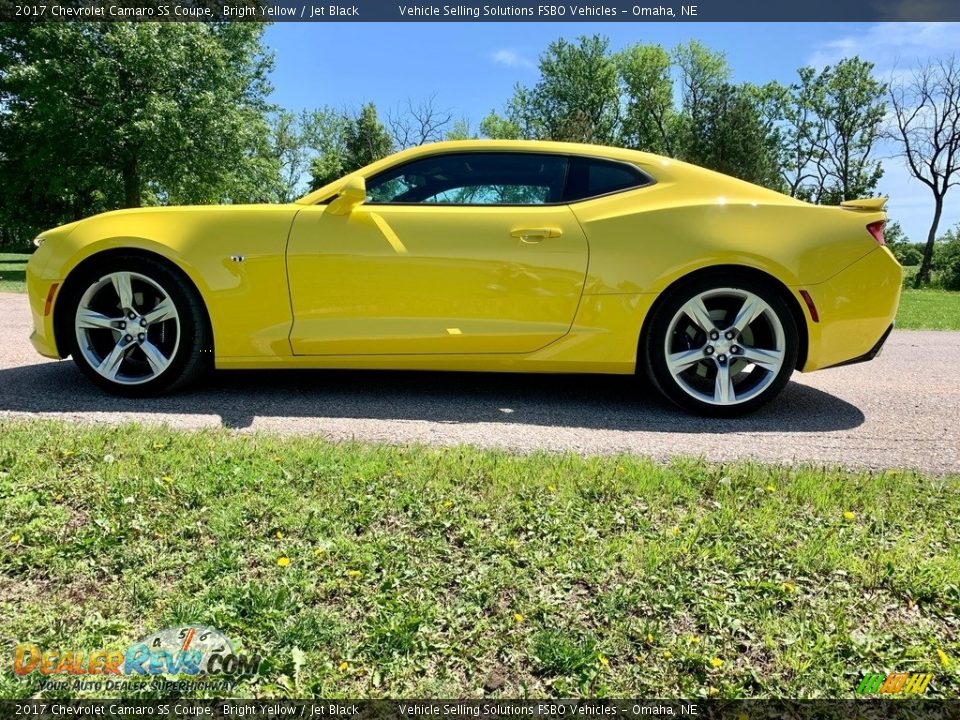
(484, 256)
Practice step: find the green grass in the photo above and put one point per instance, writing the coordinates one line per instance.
(13, 270)
(459, 572)
(929, 309)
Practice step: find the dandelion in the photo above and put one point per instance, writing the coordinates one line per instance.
(109, 459)
(667, 654)
(15, 538)
(353, 573)
(603, 660)
(771, 488)
(789, 587)
(344, 666)
(716, 662)
(283, 561)
(649, 638)
(551, 488)
(279, 535)
(849, 515)
(712, 691)
(693, 639)
(518, 617)
(675, 530)
(319, 551)
(944, 658)
(158, 446)
(167, 479)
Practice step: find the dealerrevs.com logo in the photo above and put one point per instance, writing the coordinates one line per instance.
(190, 650)
(897, 683)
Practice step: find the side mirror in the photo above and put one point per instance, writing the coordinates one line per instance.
(351, 194)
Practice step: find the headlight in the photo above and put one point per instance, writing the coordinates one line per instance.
(38, 240)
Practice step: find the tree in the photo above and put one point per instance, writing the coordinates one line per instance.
(649, 117)
(577, 98)
(803, 133)
(461, 130)
(328, 133)
(732, 136)
(292, 137)
(347, 144)
(946, 259)
(499, 128)
(852, 108)
(702, 73)
(418, 123)
(926, 110)
(105, 115)
(367, 140)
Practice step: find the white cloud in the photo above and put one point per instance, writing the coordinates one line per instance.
(888, 45)
(510, 58)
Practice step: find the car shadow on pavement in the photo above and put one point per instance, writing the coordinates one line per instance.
(575, 401)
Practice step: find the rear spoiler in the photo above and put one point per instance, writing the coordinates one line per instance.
(870, 204)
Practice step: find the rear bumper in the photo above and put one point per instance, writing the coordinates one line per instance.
(856, 307)
(871, 353)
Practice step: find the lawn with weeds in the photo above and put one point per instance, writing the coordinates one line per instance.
(929, 309)
(405, 571)
(13, 272)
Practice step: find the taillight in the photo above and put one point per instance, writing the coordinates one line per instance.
(876, 229)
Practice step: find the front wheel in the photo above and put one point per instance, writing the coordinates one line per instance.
(137, 327)
(722, 346)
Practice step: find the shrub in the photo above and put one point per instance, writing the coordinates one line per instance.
(907, 254)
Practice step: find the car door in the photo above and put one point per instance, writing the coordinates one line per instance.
(462, 252)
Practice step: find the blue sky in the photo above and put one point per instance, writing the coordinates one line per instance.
(471, 68)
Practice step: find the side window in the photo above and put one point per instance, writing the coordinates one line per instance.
(473, 179)
(592, 177)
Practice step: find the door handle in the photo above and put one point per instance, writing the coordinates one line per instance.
(535, 235)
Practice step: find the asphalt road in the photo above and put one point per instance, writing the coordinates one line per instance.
(899, 411)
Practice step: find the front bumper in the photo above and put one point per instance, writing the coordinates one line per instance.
(856, 306)
(42, 293)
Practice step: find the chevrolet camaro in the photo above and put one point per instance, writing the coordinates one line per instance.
(479, 256)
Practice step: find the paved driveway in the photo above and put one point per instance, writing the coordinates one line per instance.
(901, 410)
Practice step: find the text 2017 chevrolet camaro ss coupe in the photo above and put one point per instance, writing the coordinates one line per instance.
(479, 255)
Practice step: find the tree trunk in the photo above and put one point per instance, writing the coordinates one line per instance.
(131, 182)
(923, 274)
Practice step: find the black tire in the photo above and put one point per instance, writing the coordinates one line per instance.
(773, 332)
(189, 353)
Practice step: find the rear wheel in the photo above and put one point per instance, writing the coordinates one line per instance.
(138, 327)
(722, 345)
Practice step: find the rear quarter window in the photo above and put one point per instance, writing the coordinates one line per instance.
(594, 177)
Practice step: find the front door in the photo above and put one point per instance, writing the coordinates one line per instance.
(456, 253)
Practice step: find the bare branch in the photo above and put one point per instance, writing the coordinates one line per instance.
(419, 123)
(926, 110)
